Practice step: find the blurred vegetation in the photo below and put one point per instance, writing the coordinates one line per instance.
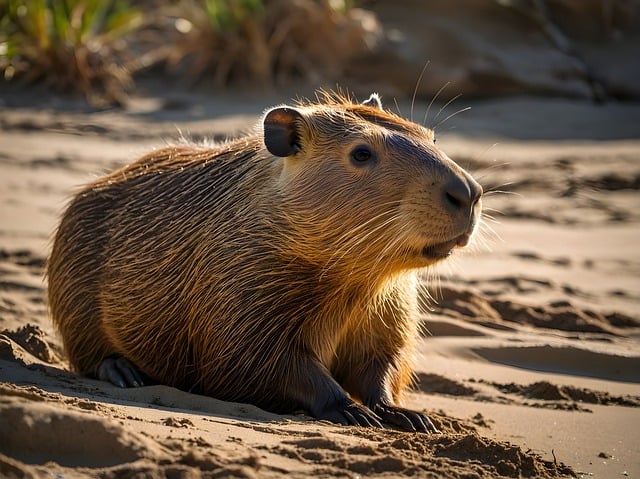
(70, 44)
(262, 42)
(100, 48)
(96, 47)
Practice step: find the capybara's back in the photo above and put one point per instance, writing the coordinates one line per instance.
(132, 246)
(278, 269)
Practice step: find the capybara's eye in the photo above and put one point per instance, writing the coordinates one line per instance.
(362, 155)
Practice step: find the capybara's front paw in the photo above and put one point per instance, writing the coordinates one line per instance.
(350, 413)
(404, 418)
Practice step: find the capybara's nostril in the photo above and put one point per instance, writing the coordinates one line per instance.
(461, 193)
(453, 200)
(458, 194)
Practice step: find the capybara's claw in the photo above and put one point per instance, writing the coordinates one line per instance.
(405, 418)
(119, 371)
(362, 416)
(351, 414)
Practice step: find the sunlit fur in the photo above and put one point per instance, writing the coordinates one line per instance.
(226, 270)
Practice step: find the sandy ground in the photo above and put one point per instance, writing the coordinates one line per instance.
(532, 367)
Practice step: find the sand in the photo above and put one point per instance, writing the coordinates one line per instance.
(531, 367)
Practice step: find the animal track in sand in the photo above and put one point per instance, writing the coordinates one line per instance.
(561, 315)
(546, 391)
(34, 262)
(436, 384)
(542, 394)
(530, 256)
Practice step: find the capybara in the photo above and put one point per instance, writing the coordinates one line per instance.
(279, 269)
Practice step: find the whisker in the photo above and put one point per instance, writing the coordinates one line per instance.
(483, 243)
(349, 246)
(493, 221)
(433, 287)
(501, 185)
(415, 90)
(380, 256)
(449, 128)
(489, 212)
(500, 192)
(426, 115)
(446, 105)
(492, 210)
(480, 175)
(486, 228)
(451, 116)
(487, 150)
(388, 247)
(424, 298)
(490, 217)
(486, 214)
(395, 101)
(371, 220)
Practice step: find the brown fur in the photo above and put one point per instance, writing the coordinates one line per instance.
(250, 277)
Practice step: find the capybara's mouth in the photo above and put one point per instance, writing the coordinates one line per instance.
(443, 250)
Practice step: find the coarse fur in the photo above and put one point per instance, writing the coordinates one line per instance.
(276, 269)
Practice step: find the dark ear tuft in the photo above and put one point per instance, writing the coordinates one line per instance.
(281, 135)
(374, 101)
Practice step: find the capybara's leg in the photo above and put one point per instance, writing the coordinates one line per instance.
(310, 385)
(375, 363)
(371, 384)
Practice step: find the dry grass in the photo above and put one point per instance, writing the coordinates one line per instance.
(95, 47)
(252, 42)
(77, 45)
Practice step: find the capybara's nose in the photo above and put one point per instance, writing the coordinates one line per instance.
(461, 193)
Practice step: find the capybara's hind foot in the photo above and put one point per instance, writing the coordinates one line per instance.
(405, 418)
(120, 371)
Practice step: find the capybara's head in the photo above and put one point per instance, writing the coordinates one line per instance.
(364, 187)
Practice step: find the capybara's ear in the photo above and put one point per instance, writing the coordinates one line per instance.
(282, 131)
(374, 101)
